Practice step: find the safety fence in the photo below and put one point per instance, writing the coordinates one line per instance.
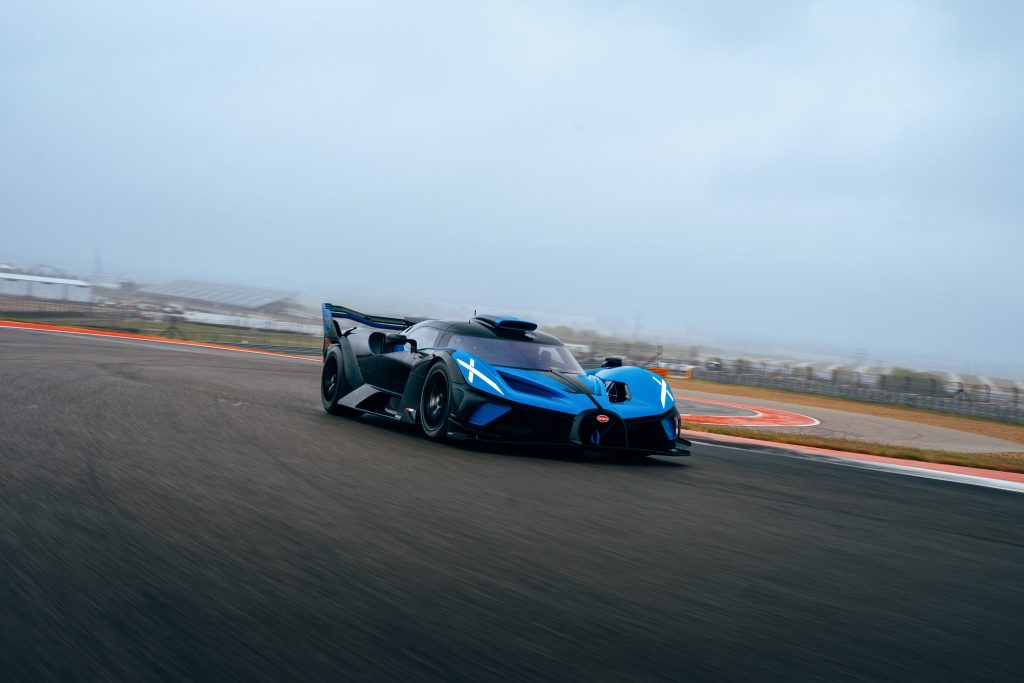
(591, 354)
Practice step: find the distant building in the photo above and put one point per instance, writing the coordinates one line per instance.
(216, 298)
(40, 287)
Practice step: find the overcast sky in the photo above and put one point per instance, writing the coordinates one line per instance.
(838, 175)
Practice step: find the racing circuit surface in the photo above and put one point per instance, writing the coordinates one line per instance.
(175, 513)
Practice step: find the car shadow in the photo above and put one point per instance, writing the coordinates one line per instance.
(575, 455)
(569, 454)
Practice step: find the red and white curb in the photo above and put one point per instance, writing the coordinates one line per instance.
(760, 417)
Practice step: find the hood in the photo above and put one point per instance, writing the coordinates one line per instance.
(571, 393)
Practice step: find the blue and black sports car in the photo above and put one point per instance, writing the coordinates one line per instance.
(492, 378)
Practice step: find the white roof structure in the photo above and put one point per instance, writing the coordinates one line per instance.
(221, 295)
(46, 280)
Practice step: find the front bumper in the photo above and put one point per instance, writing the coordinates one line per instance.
(528, 426)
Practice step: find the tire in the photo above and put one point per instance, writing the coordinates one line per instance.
(436, 403)
(333, 385)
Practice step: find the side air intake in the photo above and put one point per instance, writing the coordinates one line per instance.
(506, 322)
(618, 392)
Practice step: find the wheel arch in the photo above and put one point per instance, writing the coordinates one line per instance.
(417, 377)
(353, 376)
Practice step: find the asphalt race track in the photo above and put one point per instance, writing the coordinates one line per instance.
(171, 513)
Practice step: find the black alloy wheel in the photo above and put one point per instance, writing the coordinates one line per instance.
(435, 403)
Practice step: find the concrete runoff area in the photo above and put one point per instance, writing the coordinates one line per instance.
(187, 513)
(847, 425)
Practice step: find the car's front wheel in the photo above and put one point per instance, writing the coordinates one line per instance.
(435, 403)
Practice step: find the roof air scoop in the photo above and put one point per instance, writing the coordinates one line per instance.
(506, 322)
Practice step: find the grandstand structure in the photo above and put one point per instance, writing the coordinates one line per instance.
(13, 284)
(219, 298)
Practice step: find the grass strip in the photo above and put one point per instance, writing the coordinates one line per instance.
(1003, 462)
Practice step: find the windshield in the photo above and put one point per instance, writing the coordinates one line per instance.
(517, 354)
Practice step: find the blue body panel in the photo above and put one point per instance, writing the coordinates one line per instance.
(328, 317)
(649, 394)
(488, 413)
(487, 379)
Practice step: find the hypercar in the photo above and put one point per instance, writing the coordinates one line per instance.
(492, 379)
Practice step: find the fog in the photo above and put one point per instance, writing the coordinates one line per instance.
(840, 177)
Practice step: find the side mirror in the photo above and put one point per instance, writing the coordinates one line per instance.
(396, 339)
(612, 362)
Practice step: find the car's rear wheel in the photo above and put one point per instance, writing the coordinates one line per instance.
(435, 403)
(333, 385)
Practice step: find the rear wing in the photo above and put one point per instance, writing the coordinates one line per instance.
(332, 312)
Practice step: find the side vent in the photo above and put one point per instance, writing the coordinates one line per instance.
(519, 384)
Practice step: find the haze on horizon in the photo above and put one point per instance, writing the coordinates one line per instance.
(836, 176)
